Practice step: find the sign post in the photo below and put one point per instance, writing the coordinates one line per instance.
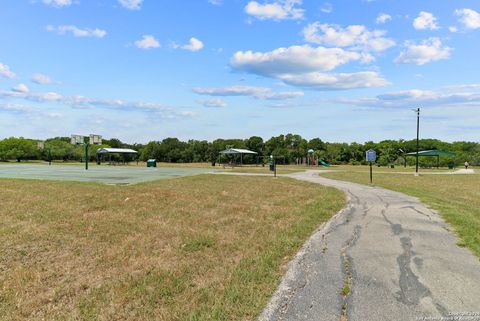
(371, 156)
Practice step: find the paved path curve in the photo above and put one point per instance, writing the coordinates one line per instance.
(396, 256)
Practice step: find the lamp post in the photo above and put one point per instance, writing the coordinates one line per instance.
(418, 143)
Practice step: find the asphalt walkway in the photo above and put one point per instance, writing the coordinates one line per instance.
(385, 257)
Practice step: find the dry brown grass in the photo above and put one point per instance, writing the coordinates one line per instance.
(207, 247)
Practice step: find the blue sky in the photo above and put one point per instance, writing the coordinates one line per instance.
(343, 71)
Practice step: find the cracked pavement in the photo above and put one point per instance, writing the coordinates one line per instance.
(397, 256)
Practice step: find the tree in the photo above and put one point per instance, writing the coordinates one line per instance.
(18, 149)
(58, 149)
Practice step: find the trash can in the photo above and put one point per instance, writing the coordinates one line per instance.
(152, 163)
(272, 163)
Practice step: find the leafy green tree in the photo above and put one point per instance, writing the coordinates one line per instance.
(18, 149)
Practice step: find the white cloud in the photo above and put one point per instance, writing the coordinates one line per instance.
(326, 7)
(463, 87)
(305, 66)
(453, 29)
(21, 88)
(249, 91)
(83, 102)
(469, 18)
(354, 36)
(335, 81)
(382, 18)
(427, 51)
(425, 20)
(294, 59)
(78, 32)
(131, 4)
(193, 45)
(58, 3)
(216, 102)
(216, 2)
(42, 79)
(416, 97)
(6, 72)
(147, 42)
(28, 110)
(276, 10)
(38, 97)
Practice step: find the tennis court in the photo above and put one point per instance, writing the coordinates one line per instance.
(119, 175)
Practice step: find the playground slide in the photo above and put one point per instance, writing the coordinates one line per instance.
(324, 164)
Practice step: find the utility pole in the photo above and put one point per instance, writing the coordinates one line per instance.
(418, 142)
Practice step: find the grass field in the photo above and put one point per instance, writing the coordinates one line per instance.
(207, 247)
(456, 197)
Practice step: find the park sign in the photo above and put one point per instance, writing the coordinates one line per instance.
(371, 155)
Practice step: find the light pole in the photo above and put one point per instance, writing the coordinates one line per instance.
(418, 134)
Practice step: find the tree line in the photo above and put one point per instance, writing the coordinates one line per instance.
(290, 148)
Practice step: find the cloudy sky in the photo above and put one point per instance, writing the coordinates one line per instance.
(142, 70)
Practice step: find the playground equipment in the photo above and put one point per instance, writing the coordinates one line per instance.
(311, 160)
(324, 164)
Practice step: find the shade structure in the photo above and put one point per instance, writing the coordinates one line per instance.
(238, 151)
(102, 153)
(116, 151)
(431, 153)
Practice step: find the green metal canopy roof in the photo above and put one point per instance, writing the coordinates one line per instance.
(432, 153)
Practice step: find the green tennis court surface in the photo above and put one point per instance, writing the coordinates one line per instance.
(98, 174)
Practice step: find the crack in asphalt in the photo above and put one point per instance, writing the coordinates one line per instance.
(411, 289)
(412, 207)
(396, 228)
(429, 283)
(348, 270)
